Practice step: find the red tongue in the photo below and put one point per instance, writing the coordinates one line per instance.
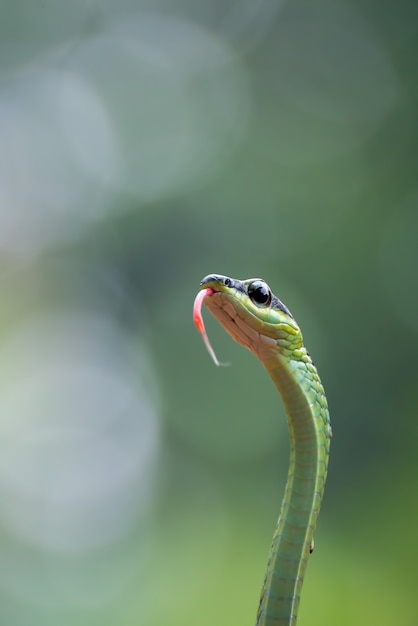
(197, 310)
(198, 321)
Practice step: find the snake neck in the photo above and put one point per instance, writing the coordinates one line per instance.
(303, 396)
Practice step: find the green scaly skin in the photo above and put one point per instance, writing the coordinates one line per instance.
(272, 334)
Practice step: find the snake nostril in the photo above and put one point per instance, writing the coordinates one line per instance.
(214, 278)
(208, 279)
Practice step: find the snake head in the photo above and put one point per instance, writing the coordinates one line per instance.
(252, 315)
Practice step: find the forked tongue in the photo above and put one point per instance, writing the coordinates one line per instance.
(198, 322)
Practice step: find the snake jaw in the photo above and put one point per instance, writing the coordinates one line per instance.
(228, 317)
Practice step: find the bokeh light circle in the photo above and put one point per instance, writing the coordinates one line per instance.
(79, 434)
(178, 99)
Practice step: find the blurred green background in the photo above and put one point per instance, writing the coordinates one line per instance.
(143, 145)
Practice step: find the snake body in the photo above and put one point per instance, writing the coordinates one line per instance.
(258, 320)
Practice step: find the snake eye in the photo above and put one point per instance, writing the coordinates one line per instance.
(259, 293)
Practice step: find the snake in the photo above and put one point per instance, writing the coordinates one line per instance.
(255, 318)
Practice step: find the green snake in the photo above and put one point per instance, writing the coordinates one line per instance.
(259, 321)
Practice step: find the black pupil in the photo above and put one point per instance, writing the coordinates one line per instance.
(259, 293)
